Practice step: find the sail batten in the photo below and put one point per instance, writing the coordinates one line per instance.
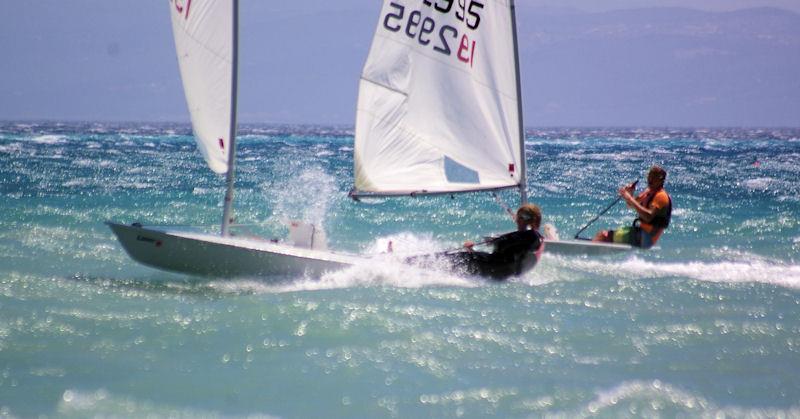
(438, 106)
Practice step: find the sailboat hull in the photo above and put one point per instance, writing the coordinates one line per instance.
(201, 254)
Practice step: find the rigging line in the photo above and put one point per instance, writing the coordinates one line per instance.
(577, 235)
(504, 206)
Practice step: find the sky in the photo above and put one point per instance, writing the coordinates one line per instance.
(94, 60)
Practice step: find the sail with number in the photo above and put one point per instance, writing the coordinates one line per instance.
(205, 43)
(439, 107)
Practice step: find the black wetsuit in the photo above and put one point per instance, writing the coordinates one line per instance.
(514, 253)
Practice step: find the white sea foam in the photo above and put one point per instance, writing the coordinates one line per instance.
(306, 197)
(135, 185)
(76, 183)
(49, 139)
(102, 403)
(655, 398)
(759, 184)
(404, 244)
(380, 269)
(655, 390)
(11, 148)
(379, 272)
(83, 162)
(755, 271)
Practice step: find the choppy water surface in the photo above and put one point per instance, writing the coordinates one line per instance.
(707, 324)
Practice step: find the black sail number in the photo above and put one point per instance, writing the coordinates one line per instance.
(444, 47)
(394, 17)
(474, 6)
(414, 19)
(445, 8)
(425, 29)
(469, 14)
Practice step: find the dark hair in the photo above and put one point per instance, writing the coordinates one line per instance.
(531, 214)
(659, 172)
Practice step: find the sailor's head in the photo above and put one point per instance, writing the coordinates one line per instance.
(656, 177)
(529, 215)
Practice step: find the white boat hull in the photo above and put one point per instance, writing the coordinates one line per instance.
(585, 247)
(202, 254)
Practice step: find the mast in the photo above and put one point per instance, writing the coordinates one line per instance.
(227, 213)
(523, 187)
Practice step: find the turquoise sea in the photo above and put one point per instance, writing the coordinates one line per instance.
(705, 325)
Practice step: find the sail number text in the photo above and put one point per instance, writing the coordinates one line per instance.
(443, 39)
(182, 7)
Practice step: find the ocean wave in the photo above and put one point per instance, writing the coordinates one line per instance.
(72, 183)
(756, 271)
(378, 272)
(49, 139)
(656, 398)
(102, 403)
(759, 184)
(11, 148)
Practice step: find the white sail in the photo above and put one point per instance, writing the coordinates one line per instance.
(204, 41)
(438, 105)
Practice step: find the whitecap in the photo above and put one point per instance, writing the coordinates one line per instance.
(661, 398)
(135, 185)
(632, 390)
(103, 403)
(76, 183)
(11, 148)
(755, 271)
(379, 268)
(49, 139)
(759, 184)
(380, 271)
(83, 162)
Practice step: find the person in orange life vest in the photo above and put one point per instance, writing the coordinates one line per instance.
(653, 209)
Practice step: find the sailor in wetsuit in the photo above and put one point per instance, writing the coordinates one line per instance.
(653, 208)
(513, 253)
